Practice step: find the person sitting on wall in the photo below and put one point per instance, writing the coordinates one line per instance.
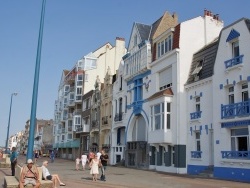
(47, 176)
(29, 175)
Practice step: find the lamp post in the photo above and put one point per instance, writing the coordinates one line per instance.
(8, 129)
(35, 87)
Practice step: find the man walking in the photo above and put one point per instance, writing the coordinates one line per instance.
(104, 160)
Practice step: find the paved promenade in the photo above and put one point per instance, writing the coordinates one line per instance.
(121, 177)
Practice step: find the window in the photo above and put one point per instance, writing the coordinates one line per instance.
(69, 136)
(168, 115)
(78, 120)
(158, 114)
(197, 105)
(86, 77)
(138, 90)
(165, 78)
(198, 141)
(231, 95)
(235, 49)
(87, 104)
(164, 46)
(245, 96)
(135, 40)
(79, 79)
(240, 139)
(63, 137)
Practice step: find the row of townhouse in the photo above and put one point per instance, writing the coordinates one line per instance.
(177, 100)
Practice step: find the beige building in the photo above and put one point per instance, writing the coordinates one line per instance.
(43, 136)
(69, 125)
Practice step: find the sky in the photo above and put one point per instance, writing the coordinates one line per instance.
(72, 29)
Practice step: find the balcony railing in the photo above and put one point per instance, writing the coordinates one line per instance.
(70, 128)
(195, 115)
(235, 154)
(77, 112)
(118, 116)
(234, 61)
(235, 109)
(63, 130)
(82, 128)
(196, 154)
(138, 62)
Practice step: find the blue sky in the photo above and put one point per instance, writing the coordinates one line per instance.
(72, 29)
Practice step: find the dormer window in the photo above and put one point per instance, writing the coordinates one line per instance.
(135, 40)
(196, 72)
(164, 46)
(235, 49)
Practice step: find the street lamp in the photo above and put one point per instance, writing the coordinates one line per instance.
(7, 140)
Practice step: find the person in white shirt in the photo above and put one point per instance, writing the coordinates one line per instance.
(98, 154)
(84, 160)
(47, 176)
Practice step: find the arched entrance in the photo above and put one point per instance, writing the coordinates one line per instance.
(136, 153)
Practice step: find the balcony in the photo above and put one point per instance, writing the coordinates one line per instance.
(138, 62)
(196, 154)
(70, 128)
(105, 120)
(160, 136)
(195, 115)
(71, 102)
(82, 128)
(118, 117)
(63, 130)
(78, 98)
(234, 61)
(77, 112)
(235, 154)
(235, 109)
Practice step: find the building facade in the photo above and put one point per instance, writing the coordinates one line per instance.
(231, 116)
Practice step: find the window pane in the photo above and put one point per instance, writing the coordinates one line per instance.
(168, 121)
(197, 135)
(157, 121)
(162, 122)
(157, 109)
(239, 132)
(168, 107)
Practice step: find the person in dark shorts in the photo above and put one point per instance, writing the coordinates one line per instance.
(47, 176)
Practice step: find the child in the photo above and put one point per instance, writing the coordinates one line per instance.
(77, 163)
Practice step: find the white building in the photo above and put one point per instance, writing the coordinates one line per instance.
(167, 101)
(199, 90)
(231, 115)
(140, 87)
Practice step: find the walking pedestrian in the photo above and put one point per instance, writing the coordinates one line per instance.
(36, 156)
(77, 163)
(13, 160)
(84, 160)
(104, 161)
(52, 156)
(94, 165)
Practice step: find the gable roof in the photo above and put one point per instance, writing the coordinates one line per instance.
(206, 56)
(144, 31)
